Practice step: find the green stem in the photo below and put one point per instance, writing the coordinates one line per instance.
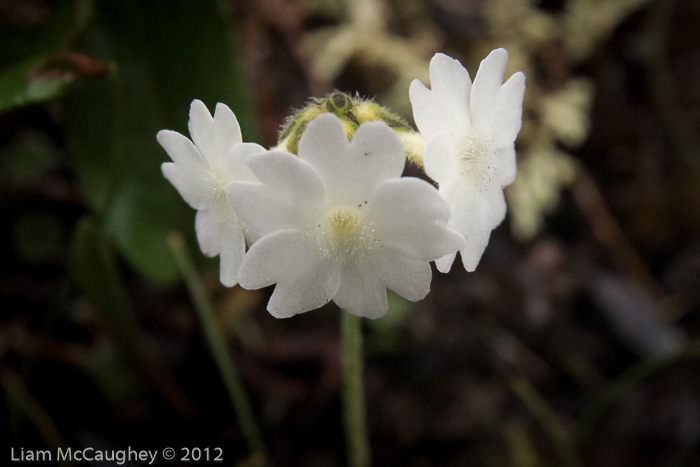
(36, 413)
(357, 441)
(217, 344)
(548, 420)
(630, 378)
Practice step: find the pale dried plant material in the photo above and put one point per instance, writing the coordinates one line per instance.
(588, 23)
(200, 170)
(513, 22)
(544, 172)
(566, 112)
(555, 115)
(364, 35)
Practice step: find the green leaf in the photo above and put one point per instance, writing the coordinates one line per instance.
(28, 53)
(19, 86)
(96, 271)
(162, 55)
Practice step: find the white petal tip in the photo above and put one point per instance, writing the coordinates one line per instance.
(444, 264)
(499, 53)
(199, 116)
(470, 263)
(228, 282)
(416, 90)
(164, 135)
(373, 314)
(196, 103)
(440, 59)
(280, 313)
(495, 62)
(222, 110)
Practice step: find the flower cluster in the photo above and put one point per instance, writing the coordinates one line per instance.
(326, 215)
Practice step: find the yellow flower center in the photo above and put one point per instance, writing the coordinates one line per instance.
(344, 233)
(477, 161)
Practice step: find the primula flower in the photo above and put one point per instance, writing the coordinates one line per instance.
(200, 170)
(470, 129)
(338, 223)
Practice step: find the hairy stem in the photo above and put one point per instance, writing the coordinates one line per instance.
(357, 441)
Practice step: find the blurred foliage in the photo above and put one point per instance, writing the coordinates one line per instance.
(128, 56)
(147, 47)
(114, 73)
(23, 85)
(25, 159)
(33, 65)
(556, 117)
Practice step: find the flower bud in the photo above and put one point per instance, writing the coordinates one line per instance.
(352, 111)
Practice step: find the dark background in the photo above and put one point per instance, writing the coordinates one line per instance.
(575, 343)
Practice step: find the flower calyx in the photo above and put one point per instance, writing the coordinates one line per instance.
(353, 111)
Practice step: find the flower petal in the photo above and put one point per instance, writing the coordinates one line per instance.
(352, 169)
(324, 145)
(485, 89)
(264, 211)
(237, 160)
(276, 257)
(440, 159)
(444, 264)
(476, 245)
(290, 194)
(361, 292)
(408, 196)
(298, 296)
(181, 151)
(232, 251)
(406, 276)
(450, 83)
(470, 209)
(189, 184)
(471, 253)
(305, 280)
(427, 116)
(214, 136)
(509, 110)
(376, 154)
(444, 107)
(472, 216)
(409, 215)
(507, 165)
(288, 175)
(497, 205)
(209, 230)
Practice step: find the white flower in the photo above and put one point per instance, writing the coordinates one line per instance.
(337, 222)
(470, 131)
(200, 170)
